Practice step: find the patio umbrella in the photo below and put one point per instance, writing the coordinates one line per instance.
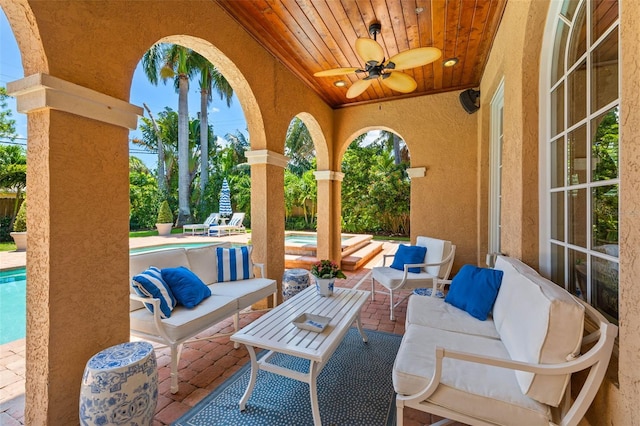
(225, 199)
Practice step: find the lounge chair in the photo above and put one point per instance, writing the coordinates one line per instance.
(234, 226)
(431, 271)
(201, 228)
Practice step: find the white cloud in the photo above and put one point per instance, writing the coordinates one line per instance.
(214, 110)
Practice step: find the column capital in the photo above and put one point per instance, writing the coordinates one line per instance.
(264, 156)
(328, 175)
(416, 172)
(41, 91)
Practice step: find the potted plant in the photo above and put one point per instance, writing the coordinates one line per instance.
(325, 273)
(165, 219)
(19, 233)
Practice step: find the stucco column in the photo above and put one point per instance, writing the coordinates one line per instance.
(267, 212)
(78, 246)
(329, 214)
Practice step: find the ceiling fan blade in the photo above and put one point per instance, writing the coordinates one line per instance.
(415, 58)
(358, 87)
(335, 71)
(369, 50)
(400, 82)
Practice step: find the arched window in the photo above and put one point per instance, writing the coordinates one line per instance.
(580, 231)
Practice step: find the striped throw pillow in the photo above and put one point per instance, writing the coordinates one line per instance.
(150, 284)
(234, 263)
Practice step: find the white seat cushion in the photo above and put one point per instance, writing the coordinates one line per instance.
(247, 292)
(434, 312)
(538, 322)
(391, 278)
(481, 391)
(185, 323)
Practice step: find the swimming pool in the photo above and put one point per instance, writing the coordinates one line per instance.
(13, 304)
(13, 296)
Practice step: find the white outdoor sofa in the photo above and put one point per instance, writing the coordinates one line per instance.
(227, 299)
(513, 368)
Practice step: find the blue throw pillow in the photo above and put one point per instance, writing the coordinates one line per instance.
(188, 289)
(474, 290)
(150, 284)
(409, 255)
(234, 263)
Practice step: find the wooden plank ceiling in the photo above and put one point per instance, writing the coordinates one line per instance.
(314, 35)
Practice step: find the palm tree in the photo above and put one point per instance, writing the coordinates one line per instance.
(179, 63)
(210, 79)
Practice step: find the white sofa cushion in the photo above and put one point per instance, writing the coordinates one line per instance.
(203, 263)
(482, 391)
(185, 323)
(139, 262)
(247, 292)
(538, 322)
(434, 312)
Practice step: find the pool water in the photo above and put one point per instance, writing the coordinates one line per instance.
(13, 296)
(13, 304)
(306, 239)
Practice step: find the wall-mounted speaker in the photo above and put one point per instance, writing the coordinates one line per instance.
(468, 100)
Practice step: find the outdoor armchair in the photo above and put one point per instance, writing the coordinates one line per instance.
(431, 272)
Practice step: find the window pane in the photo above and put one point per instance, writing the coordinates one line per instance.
(557, 216)
(603, 14)
(604, 203)
(578, 277)
(557, 264)
(604, 149)
(577, 153)
(557, 163)
(557, 110)
(578, 43)
(569, 8)
(577, 212)
(604, 279)
(604, 72)
(559, 51)
(577, 102)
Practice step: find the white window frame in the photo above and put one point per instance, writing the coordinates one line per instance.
(495, 169)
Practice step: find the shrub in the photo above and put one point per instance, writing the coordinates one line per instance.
(20, 224)
(164, 213)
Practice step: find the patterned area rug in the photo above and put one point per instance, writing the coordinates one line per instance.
(354, 388)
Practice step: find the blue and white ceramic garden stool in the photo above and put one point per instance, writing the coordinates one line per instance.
(120, 386)
(293, 282)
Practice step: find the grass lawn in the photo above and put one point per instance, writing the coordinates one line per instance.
(7, 246)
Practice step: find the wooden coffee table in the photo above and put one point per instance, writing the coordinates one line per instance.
(276, 332)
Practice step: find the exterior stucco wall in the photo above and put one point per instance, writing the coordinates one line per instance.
(622, 404)
(515, 58)
(440, 136)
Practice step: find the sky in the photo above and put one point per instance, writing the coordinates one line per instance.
(224, 120)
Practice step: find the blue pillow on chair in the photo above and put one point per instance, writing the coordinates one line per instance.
(474, 290)
(188, 289)
(408, 255)
(150, 284)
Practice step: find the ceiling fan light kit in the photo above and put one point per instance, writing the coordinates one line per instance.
(388, 71)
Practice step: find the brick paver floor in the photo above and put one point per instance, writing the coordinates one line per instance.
(204, 363)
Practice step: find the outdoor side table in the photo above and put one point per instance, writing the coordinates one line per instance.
(293, 282)
(120, 386)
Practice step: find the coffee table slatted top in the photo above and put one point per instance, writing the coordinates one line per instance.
(275, 330)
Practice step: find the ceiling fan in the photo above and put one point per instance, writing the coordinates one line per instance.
(387, 70)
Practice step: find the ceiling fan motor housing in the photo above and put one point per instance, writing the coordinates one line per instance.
(374, 29)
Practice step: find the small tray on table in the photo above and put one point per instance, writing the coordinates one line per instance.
(311, 322)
